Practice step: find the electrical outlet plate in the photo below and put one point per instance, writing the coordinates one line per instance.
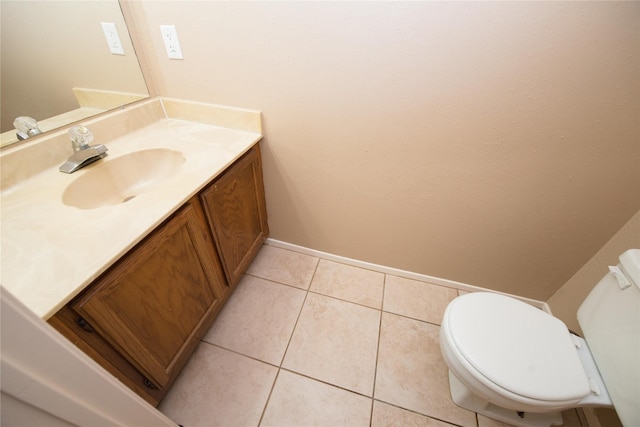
(171, 42)
(113, 39)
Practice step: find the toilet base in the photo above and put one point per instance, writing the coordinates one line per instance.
(464, 398)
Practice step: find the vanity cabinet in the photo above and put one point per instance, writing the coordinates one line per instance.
(237, 214)
(142, 319)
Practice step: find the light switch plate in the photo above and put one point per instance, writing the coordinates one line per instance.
(171, 42)
(113, 39)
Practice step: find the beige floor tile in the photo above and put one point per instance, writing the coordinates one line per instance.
(484, 421)
(301, 401)
(284, 266)
(349, 283)
(258, 319)
(335, 341)
(385, 415)
(411, 373)
(219, 388)
(419, 300)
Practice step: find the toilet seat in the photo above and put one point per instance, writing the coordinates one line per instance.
(512, 346)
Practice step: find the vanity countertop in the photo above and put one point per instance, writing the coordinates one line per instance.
(51, 251)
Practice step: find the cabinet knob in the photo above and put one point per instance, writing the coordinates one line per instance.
(84, 324)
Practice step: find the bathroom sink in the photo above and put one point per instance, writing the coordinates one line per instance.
(118, 180)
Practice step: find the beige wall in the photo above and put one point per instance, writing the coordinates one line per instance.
(491, 143)
(49, 47)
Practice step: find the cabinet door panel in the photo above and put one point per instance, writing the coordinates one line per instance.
(236, 211)
(154, 301)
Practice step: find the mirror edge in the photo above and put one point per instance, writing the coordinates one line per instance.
(137, 28)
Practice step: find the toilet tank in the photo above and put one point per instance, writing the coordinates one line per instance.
(610, 320)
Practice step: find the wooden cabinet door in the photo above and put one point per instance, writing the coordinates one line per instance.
(236, 210)
(156, 303)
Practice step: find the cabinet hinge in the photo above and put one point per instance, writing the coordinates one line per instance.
(84, 324)
(149, 384)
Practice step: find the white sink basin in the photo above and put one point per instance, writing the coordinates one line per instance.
(118, 180)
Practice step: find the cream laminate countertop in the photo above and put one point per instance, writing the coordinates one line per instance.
(51, 251)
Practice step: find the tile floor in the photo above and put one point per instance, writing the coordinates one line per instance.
(305, 341)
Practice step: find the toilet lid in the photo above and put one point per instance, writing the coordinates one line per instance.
(517, 347)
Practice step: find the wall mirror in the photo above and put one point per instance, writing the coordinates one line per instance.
(56, 64)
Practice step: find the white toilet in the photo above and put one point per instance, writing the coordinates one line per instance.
(517, 364)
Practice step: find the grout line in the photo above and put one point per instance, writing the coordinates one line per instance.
(375, 371)
(221, 347)
(266, 403)
(295, 325)
(421, 414)
(276, 282)
(327, 383)
(345, 300)
(412, 318)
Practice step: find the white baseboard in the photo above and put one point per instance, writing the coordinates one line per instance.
(397, 272)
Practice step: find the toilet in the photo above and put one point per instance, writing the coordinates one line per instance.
(515, 363)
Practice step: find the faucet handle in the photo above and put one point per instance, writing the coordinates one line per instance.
(80, 137)
(26, 127)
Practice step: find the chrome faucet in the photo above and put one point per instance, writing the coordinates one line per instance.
(84, 153)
